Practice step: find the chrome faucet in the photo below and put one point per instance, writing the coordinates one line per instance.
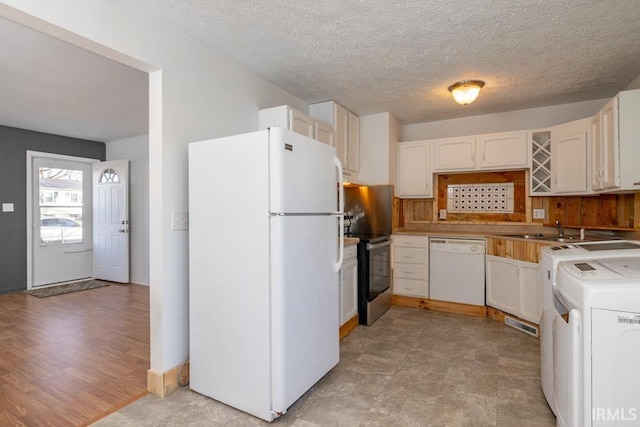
(560, 229)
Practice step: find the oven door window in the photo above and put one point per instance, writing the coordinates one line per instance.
(379, 271)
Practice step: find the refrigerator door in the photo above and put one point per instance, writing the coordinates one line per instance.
(304, 304)
(303, 174)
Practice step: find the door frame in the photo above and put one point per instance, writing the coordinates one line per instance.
(30, 156)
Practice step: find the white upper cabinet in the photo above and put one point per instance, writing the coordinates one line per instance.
(503, 150)
(569, 157)
(454, 154)
(415, 178)
(498, 151)
(615, 132)
(325, 133)
(353, 143)
(289, 118)
(301, 123)
(347, 131)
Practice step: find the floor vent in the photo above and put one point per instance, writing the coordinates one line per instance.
(521, 326)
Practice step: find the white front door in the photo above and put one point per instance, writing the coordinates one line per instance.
(111, 221)
(61, 220)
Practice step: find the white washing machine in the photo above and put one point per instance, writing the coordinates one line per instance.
(549, 259)
(597, 342)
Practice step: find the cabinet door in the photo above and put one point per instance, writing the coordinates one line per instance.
(325, 133)
(414, 170)
(609, 174)
(411, 288)
(341, 125)
(353, 143)
(454, 154)
(596, 151)
(348, 291)
(503, 150)
(531, 292)
(503, 284)
(569, 166)
(301, 123)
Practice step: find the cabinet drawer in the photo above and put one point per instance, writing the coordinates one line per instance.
(410, 255)
(350, 252)
(410, 241)
(410, 271)
(409, 287)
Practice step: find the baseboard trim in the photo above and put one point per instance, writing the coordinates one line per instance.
(435, 305)
(349, 326)
(163, 383)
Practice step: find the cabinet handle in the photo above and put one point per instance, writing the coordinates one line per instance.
(408, 256)
(636, 183)
(409, 272)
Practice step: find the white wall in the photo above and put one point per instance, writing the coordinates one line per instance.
(136, 150)
(194, 93)
(533, 118)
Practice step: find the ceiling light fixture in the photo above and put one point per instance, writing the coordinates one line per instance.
(466, 91)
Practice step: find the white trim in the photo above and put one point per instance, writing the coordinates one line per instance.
(30, 156)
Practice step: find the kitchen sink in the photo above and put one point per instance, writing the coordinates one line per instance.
(555, 238)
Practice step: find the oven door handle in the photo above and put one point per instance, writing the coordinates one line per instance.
(371, 246)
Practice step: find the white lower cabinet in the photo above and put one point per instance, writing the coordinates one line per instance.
(410, 256)
(513, 286)
(349, 285)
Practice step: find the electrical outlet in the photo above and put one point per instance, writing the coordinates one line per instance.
(538, 214)
(443, 214)
(7, 207)
(179, 221)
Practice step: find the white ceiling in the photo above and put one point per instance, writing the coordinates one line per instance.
(371, 56)
(51, 86)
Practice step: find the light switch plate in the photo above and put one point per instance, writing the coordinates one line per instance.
(179, 220)
(7, 207)
(538, 214)
(443, 214)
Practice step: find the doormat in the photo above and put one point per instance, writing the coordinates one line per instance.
(65, 289)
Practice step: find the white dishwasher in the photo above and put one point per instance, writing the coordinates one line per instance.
(456, 270)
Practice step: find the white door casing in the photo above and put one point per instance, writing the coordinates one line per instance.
(111, 221)
(57, 261)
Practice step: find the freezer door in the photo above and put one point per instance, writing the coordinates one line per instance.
(304, 304)
(303, 174)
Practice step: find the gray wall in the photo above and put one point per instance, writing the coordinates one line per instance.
(14, 144)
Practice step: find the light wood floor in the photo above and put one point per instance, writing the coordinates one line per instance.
(70, 359)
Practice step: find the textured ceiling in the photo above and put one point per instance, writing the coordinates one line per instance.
(401, 55)
(371, 56)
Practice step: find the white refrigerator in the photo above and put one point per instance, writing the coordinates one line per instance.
(265, 248)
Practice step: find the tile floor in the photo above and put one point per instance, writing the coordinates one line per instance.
(413, 367)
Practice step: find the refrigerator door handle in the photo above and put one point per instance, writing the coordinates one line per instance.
(340, 213)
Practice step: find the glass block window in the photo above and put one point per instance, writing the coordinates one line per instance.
(479, 198)
(109, 175)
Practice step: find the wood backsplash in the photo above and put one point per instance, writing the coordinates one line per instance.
(605, 211)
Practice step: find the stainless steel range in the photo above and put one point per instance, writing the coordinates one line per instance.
(368, 217)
